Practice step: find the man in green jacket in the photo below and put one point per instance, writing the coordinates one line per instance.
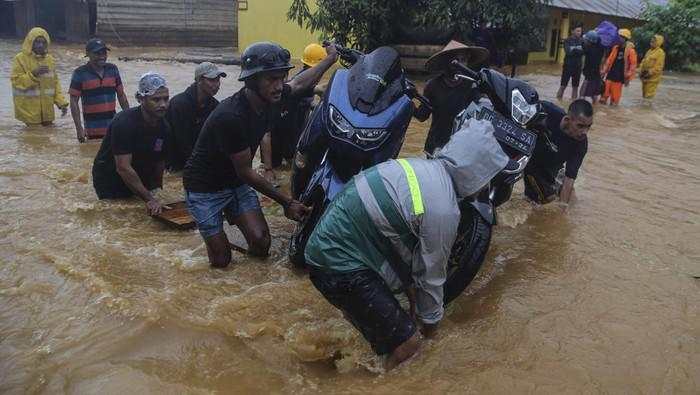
(394, 225)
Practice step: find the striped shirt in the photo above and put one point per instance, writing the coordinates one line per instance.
(98, 97)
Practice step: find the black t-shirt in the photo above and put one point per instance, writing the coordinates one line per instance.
(573, 49)
(186, 119)
(570, 151)
(447, 102)
(232, 127)
(130, 134)
(617, 70)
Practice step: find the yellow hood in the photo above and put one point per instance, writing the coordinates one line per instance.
(659, 39)
(31, 36)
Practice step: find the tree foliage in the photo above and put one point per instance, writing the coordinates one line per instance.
(679, 23)
(367, 24)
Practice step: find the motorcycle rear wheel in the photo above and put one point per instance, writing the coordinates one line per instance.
(468, 252)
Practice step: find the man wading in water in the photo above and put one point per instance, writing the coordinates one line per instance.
(569, 135)
(131, 159)
(393, 227)
(95, 84)
(188, 111)
(219, 179)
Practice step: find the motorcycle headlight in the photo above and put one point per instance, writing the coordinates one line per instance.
(363, 138)
(521, 111)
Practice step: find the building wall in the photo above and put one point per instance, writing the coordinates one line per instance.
(210, 23)
(266, 20)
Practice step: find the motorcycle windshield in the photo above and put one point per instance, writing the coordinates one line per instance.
(375, 81)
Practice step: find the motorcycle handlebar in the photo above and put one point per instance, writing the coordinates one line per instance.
(459, 68)
(346, 54)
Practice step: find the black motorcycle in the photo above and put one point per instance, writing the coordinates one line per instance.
(517, 117)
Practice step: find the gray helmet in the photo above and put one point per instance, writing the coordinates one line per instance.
(263, 56)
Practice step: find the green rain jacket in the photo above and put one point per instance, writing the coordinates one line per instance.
(407, 208)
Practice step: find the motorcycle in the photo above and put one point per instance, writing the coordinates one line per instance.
(514, 110)
(361, 122)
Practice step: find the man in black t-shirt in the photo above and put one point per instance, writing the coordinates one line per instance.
(188, 111)
(567, 147)
(219, 179)
(131, 158)
(573, 61)
(448, 95)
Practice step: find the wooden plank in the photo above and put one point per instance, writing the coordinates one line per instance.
(177, 216)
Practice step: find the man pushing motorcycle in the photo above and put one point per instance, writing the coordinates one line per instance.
(393, 227)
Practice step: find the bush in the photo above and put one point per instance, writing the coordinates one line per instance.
(679, 23)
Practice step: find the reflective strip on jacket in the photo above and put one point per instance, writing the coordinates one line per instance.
(35, 96)
(381, 215)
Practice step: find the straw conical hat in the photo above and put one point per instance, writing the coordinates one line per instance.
(440, 61)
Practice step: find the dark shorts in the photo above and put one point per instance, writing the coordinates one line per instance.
(570, 73)
(113, 188)
(594, 87)
(208, 209)
(541, 187)
(367, 302)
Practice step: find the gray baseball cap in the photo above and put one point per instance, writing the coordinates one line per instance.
(207, 70)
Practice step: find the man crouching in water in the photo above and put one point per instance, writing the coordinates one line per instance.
(219, 179)
(131, 159)
(399, 219)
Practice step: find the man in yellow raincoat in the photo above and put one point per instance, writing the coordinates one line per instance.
(35, 85)
(652, 67)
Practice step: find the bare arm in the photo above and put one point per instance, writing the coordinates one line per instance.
(243, 163)
(132, 180)
(123, 100)
(312, 76)
(75, 113)
(567, 190)
(266, 157)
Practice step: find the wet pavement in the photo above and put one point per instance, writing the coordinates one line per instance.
(98, 297)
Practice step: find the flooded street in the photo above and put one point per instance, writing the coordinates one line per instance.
(97, 297)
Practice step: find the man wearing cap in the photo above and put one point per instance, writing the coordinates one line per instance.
(447, 94)
(131, 159)
(293, 113)
(96, 84)
(219, 179)
(188, 111)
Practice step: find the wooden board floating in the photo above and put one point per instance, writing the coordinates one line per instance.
(177, 216)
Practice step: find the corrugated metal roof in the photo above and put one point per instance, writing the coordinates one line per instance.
(184, 22)
(623, 8)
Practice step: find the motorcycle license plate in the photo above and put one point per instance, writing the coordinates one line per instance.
(508, 132)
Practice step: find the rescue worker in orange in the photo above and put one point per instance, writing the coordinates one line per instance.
(652, 67)
(619, 68)
(35, 85)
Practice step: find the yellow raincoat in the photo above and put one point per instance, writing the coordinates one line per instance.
(652, 67)
(35, 96)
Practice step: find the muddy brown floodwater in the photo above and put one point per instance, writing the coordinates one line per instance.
(97, 297)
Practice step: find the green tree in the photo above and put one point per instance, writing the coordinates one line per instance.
(367, 24)
(679, 23)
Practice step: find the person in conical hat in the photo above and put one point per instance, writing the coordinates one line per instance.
(448, 95)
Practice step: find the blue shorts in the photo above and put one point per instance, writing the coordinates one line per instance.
(208, 209)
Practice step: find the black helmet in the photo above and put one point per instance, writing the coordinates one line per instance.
(263, 56)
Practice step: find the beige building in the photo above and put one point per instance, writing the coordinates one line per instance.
(565, 14)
